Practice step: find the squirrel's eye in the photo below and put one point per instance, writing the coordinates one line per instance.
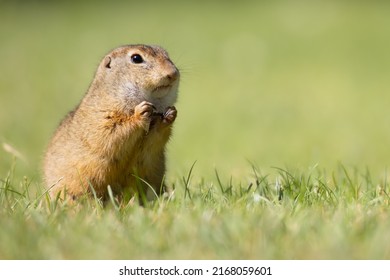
(137, 59)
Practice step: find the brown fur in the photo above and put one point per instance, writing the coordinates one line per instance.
(119, 130)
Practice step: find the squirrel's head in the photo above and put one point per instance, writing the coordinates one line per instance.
(135, 73)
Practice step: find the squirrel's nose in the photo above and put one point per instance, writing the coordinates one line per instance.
(173, 75)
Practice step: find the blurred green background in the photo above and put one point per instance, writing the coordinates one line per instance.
(278, 83)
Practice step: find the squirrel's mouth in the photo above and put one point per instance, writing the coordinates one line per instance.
(162, 87)
(161, 91)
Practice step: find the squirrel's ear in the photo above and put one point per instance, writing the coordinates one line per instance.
(107, 62)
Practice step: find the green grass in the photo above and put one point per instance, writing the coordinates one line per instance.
(295, 87)
(300, 215)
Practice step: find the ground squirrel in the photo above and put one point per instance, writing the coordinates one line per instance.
(116, 136)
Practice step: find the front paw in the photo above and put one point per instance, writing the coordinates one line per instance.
(143, 112)
(169, 115)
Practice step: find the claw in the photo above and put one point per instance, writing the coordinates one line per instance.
(169, 115)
